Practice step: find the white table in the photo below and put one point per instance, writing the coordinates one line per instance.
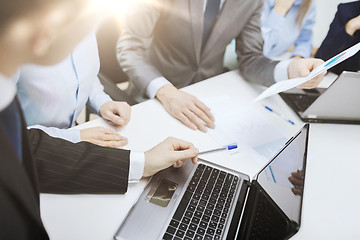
(331, 200)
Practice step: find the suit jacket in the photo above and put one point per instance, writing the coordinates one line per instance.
(164, 38)
(53, 166)
(337, 40)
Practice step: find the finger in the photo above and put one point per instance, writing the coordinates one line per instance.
(111, 136)
(179, 144)
(114, 118)
(194, 119)
(295, 181)
(111, 144)
(203, 116)
(186, 121)
(297, 191)
(205, 109)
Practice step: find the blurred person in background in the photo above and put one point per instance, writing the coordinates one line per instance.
(344, 32)
(287, 23)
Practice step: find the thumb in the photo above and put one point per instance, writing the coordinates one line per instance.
(185, 154)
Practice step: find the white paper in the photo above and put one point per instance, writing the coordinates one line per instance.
(257, 137)
(291, 83)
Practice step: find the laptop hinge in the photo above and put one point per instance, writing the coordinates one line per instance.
(239, 210)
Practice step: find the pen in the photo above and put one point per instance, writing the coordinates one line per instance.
(228, 147)
(280, 115)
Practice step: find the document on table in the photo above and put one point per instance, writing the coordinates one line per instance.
(257, 137)
(291, 83)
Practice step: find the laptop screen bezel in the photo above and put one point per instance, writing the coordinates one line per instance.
(306, 128)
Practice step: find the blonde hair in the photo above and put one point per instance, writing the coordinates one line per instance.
(303, 10)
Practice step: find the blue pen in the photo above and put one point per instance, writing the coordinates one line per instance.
(228, 147)
(280, 115)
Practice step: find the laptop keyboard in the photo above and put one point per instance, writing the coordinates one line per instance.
(269, 223)
(299, 101)
(205, 206)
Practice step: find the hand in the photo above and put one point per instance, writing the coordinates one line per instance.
(302, 68)
(186, 108)
(117, 113)
(283, 6)
(352, 26)
(103, 137)
(297, 180)
(169, 152)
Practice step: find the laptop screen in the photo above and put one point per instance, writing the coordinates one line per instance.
(283, 178)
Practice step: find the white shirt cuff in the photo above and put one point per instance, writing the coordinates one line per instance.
(281, 71)
(155, 85)
(136, 169)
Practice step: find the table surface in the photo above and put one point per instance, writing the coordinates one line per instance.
(330, 204)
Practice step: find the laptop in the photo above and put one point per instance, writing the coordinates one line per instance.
(340, 103)
(209, 201)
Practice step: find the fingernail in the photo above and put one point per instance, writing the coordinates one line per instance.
(195, 151)
(212, 126)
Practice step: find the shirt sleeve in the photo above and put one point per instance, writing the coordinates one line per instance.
(97, 97)
(137, 163)
(72, 135)
(281, 71)
(303, 45)
(155, 85)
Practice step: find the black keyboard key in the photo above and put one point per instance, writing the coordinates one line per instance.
(171, 230)
(206, 218)
(195, 220)
(183, 226)
(200, 231)
(203, 225)
(182, 206)
(198, 214)
(215, 218)
(191, 208)
(198, 237)
(188, 214)
(185, 220)
(217, 212)
(208, 212)
(210, 231)
(218, 231)
(192, 226)
(190, 233)
(167, 236)
(174, 223)
(222, 220)
(213, 225)
(208, 237)
(180, 233)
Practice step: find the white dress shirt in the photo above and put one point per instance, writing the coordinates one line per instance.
(52, 97)
(280, 72)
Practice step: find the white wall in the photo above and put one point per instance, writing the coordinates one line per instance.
(325, 13)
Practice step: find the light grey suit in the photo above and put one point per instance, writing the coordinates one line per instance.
(164, 38)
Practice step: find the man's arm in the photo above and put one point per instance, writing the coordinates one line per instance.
(64, 167)
(253, 65)
(135, 39)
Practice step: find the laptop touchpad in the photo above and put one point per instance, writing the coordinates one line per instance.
(162, 192)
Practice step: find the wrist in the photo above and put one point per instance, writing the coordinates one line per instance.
(164, 91)
(103, 108)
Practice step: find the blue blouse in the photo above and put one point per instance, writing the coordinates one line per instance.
(282, 32)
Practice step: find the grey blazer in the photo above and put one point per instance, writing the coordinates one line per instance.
(164, 38)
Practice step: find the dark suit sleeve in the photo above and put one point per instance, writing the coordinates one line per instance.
(65, 167)
(337, 40)
(253, 65)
